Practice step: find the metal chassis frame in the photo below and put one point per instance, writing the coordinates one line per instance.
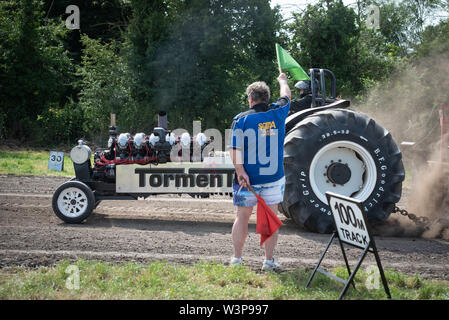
(106, 191)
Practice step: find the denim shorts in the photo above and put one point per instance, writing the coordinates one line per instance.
(272, 193)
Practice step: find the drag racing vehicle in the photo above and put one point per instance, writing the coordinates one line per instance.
(328, 147)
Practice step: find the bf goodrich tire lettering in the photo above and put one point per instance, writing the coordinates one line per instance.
(340, 151)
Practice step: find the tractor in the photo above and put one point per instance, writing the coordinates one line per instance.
(328, 147)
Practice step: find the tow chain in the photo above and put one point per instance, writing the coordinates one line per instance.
(422, 222)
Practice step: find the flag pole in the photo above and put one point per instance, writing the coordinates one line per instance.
(252, 190)
(279, 61)
(249, 187)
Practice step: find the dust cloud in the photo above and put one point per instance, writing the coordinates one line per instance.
(427, 198)
(408, 105)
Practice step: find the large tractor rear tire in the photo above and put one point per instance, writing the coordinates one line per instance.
(344, 152)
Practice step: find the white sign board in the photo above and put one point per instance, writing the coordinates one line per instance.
(56, 161)
(187, 177)
(349, 220)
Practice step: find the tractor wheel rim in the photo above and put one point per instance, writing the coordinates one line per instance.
(343, 155)
(72, 202)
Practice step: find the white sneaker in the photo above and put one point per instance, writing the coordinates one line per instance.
(236, 262)
(271, 265)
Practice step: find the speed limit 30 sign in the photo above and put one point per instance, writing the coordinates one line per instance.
(56, 161)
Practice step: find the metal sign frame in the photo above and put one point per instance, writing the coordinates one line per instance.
(370, 247)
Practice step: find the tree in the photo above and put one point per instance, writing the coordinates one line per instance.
(35, 70)
(105, 87)
(420, 11)
(407, 103)
(331, 35)
(148, 28)
(435, 40)
(323, 37)
(100, 19)
(379, 51)
(402, 22)
(195, 58)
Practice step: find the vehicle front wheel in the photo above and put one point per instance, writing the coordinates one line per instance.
(73, 202)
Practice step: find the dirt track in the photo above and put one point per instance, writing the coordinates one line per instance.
(175, 229)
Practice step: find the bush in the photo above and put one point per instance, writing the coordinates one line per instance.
(62, 125)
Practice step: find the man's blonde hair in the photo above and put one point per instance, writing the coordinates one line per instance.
(259, 92)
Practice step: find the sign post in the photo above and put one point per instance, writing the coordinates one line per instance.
(352, 229)
(56, 161)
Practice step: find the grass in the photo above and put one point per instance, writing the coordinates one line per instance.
(204, 280)
(27, 162)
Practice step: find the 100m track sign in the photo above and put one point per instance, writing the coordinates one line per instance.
(349, 220)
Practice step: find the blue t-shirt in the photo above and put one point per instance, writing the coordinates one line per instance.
(260, 134)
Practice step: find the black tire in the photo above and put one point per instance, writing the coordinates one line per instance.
(321, 131)
(83, 202)
(283, 210)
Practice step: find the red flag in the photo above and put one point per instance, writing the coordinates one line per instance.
(267, 222)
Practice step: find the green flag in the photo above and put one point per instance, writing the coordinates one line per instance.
(286, 62)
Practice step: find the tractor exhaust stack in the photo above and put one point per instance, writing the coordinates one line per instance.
(162, 119)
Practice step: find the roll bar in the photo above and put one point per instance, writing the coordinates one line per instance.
(318, 84)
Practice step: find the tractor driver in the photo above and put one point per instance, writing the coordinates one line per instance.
(305, 97)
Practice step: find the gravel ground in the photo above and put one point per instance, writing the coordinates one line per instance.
(179, 229)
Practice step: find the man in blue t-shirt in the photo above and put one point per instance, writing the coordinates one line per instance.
(257, 151)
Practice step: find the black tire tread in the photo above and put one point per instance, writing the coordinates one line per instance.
(301, 139)
(90, 201)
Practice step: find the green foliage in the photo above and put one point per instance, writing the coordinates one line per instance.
(394, 35)
(420, 12)
(435, 40)
(195, 58)
(415, 91)
(35, 70)
(105, 82)
(323, 36)
(402, 22)
(100, 19)
(62, 125)
(331, 35)
(204, 280)
(334, 36)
